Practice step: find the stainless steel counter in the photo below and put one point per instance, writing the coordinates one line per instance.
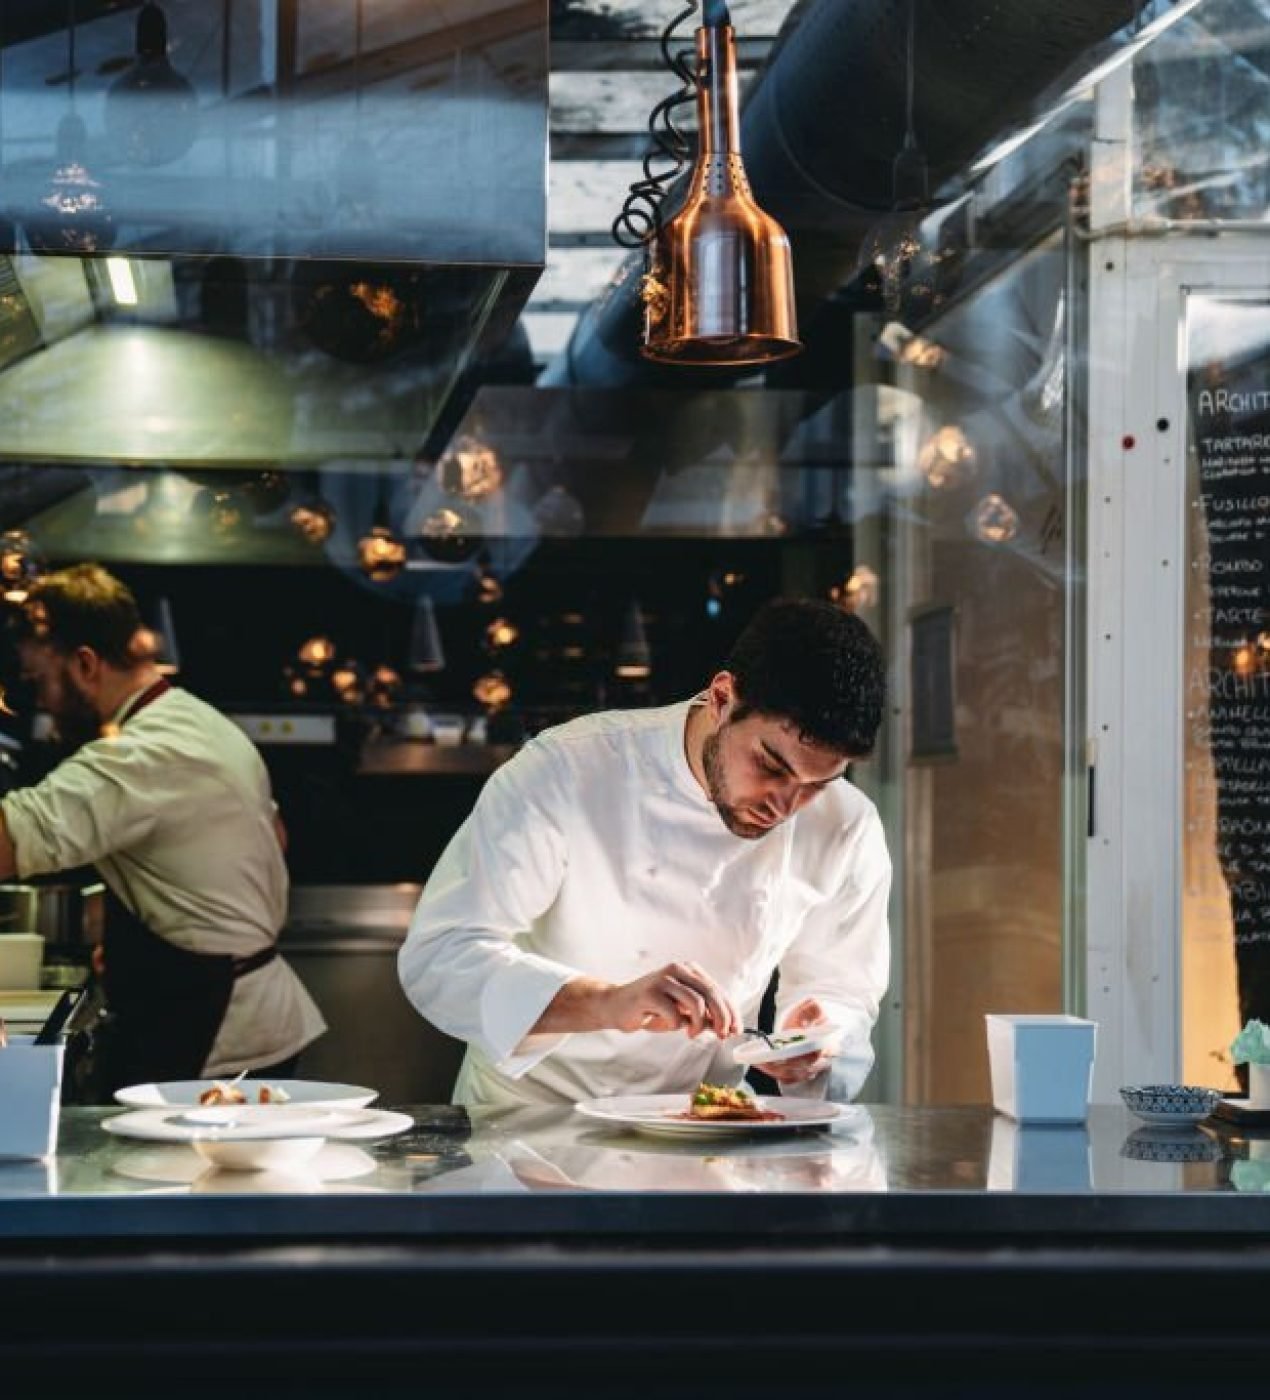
(884, 1171)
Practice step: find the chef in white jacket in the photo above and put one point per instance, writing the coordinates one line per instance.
(610, 914)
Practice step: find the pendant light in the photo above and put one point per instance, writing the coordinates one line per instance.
(892, 249)
(355, 310)
(634, 660)
(72, 216)
(425, 654)
(451, 534)
(380, 552)
(469, 468)
(151, 109)
(719, 285)
(158, 639)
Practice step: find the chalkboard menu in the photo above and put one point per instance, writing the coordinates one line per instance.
(1228, 621)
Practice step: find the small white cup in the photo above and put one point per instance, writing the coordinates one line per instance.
(1259, 1087)
(30, 1097)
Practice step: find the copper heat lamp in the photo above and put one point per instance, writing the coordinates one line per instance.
(719, 289)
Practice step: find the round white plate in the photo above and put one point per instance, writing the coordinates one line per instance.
(659, 1114)
(174, 1125)
(754, 1050)
(306, 1091)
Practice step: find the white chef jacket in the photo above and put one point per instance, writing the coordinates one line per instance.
(175, 811)
(595, 851)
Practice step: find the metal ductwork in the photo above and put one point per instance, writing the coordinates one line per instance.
(822, 124)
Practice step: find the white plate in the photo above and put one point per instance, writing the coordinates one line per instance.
(174, 1125)
(306, 1091)
(275, 1120)
(754, 1050)
(659, 1114)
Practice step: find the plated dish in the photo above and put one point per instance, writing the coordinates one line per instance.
(784, 1045)
(665, 1115)
(190, 1092)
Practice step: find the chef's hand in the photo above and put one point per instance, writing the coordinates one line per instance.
(678, 997)
(806, 1015)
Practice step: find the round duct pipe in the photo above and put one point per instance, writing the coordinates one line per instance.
(820, 129)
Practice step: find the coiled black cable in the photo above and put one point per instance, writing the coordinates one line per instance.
(640, 218)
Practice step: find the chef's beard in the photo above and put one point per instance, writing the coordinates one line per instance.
(717, 791)
(76, 721)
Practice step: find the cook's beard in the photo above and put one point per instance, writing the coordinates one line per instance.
(717, 791)
(77, 723)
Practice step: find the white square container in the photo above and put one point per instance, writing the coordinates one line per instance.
(1042, 1067)
(21, 955)
(30, 1097)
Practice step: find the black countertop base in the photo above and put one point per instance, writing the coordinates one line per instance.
(943, 1250)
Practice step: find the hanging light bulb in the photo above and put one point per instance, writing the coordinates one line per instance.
(383, 687)
(994, 520)
(381, 554)
(425, 653)
(893, 247)
(469, 469)
(947, 458)
(1243, 660)
(451, 534)
(348, 681)
(719, 287)
(316, 654)
(295, 682)
(493, 690)
(313, 520)
(488, 589)
(73, 216)
(21, 563)
(151, 109)
(501, 634)
(634, 660)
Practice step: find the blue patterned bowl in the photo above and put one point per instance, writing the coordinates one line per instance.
(1170, 1105)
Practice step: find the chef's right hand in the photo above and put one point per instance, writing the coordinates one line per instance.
(679, 996)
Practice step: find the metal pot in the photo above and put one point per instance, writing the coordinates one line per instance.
(66, 914)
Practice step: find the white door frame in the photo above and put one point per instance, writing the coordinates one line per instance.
(1136, 562)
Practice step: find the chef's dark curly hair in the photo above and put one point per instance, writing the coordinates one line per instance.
(809, 662)
(83, 606)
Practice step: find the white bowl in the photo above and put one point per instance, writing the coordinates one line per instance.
(258, 1154)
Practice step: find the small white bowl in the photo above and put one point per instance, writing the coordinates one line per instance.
(258, 1154)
